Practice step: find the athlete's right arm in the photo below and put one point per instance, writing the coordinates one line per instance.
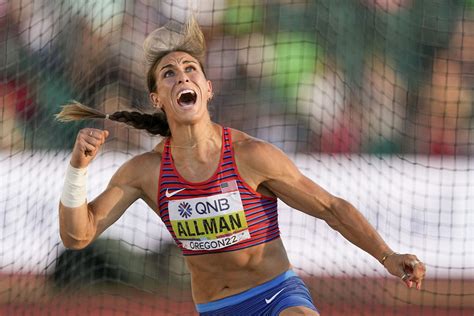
(80, 225)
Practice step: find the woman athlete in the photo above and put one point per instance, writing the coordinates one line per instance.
(216, 190)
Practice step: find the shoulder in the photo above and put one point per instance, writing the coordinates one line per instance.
(243, 141)
(257, 154)
(244, 144)
(141, 161)
(147, 159)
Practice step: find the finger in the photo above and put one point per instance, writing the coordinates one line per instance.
(410, 279)
(89, 149)
(414, 262)
(418, 270)
(95, 134)
(104, 136)
(408, 283)
(418, 285)
(405, 277)
(416, 280)
(93, 141)
(99, 135)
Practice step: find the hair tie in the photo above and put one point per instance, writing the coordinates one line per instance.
(106, 116)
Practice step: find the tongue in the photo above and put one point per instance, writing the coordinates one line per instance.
(185, 103)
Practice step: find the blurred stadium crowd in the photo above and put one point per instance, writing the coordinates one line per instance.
(332, 76)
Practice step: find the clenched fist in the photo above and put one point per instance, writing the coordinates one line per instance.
(88, 143)
(407, 267)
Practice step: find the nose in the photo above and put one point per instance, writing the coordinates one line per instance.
(182, 78)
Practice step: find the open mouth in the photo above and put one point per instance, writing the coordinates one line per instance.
(187, 97)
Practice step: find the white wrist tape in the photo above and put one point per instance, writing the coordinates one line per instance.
(75, 187)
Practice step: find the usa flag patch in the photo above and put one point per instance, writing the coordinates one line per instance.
(229, 186)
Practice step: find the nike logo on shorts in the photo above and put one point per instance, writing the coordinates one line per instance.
(269, 300)
(168, 194)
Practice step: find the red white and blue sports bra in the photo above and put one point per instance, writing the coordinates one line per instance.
(220, 214)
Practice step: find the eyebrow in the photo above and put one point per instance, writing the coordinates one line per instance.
(184, 62)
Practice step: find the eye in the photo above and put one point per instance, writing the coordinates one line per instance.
(168, 74)
(189, 69)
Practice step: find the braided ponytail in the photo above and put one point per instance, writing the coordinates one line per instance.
(155, 124)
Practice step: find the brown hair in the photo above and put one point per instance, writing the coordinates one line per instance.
(172, 38)
(162, 41)
(155, 124)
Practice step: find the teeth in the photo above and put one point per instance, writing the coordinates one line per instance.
(186, 98)
(186, 91)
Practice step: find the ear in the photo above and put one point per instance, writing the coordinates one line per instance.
(155, 100)
(209, 89)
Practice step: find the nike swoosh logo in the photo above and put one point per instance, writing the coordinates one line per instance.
(173, 193)
(269, 300)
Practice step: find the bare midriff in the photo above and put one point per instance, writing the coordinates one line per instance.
(219, 275)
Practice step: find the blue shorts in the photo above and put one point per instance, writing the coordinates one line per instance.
(270, 298)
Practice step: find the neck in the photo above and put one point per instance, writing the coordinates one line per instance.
(200, 135)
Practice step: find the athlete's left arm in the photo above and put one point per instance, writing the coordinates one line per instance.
(280, 175)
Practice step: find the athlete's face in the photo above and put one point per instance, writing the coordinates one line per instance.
(182, 88)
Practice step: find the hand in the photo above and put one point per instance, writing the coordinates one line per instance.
(407, 267)
(88, 143)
